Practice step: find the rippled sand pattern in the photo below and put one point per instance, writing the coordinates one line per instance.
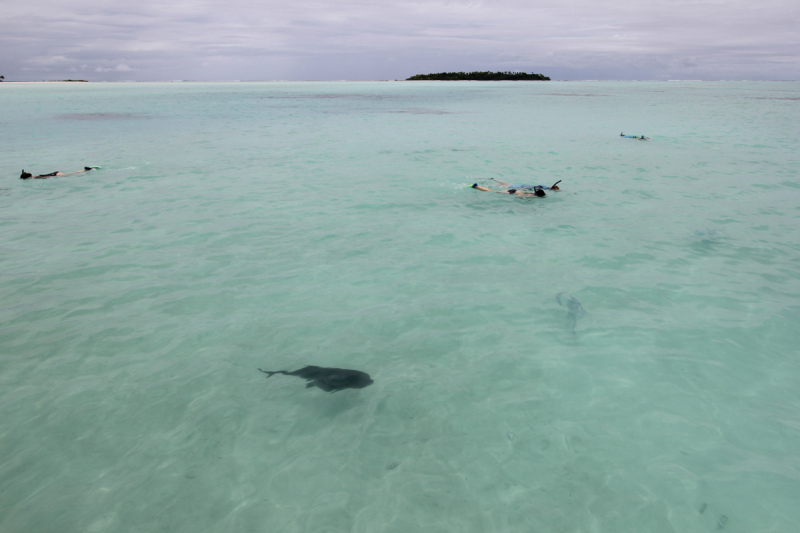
(240, 226)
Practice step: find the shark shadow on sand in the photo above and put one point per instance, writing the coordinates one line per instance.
(574, 308)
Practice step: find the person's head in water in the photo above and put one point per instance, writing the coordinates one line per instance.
(25, 175)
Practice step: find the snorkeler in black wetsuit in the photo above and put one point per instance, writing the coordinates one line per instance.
(28, 175)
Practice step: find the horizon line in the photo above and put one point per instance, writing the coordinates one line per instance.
(387, 80)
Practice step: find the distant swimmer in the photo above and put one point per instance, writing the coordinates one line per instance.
(537, 192)
(524, 186)
(642, 138)
(28, 175)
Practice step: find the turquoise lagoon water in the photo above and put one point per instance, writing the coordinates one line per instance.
(237, 226)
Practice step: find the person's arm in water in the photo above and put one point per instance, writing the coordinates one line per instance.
(502, 183)
(481, 188)
(554, 187)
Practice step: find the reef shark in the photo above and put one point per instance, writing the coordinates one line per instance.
(329, 379)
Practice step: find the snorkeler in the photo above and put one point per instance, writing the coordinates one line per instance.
(536, 192)
(524, 186)
(642, 138)
(28, 175)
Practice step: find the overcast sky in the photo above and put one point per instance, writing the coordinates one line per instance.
(148, 40)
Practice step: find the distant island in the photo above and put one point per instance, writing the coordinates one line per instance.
(480, 76)
(2, 78)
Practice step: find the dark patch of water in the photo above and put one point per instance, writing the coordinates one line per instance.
(331, 96)
(100, 116)
(571, 94)
(794, 99)
(418, 111)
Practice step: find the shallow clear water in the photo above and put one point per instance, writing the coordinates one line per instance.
(242, 226)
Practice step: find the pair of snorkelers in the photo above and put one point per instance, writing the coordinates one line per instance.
(28, 175)
(642, 138)
(517, 190)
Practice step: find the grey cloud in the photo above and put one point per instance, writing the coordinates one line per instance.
(395, 39)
